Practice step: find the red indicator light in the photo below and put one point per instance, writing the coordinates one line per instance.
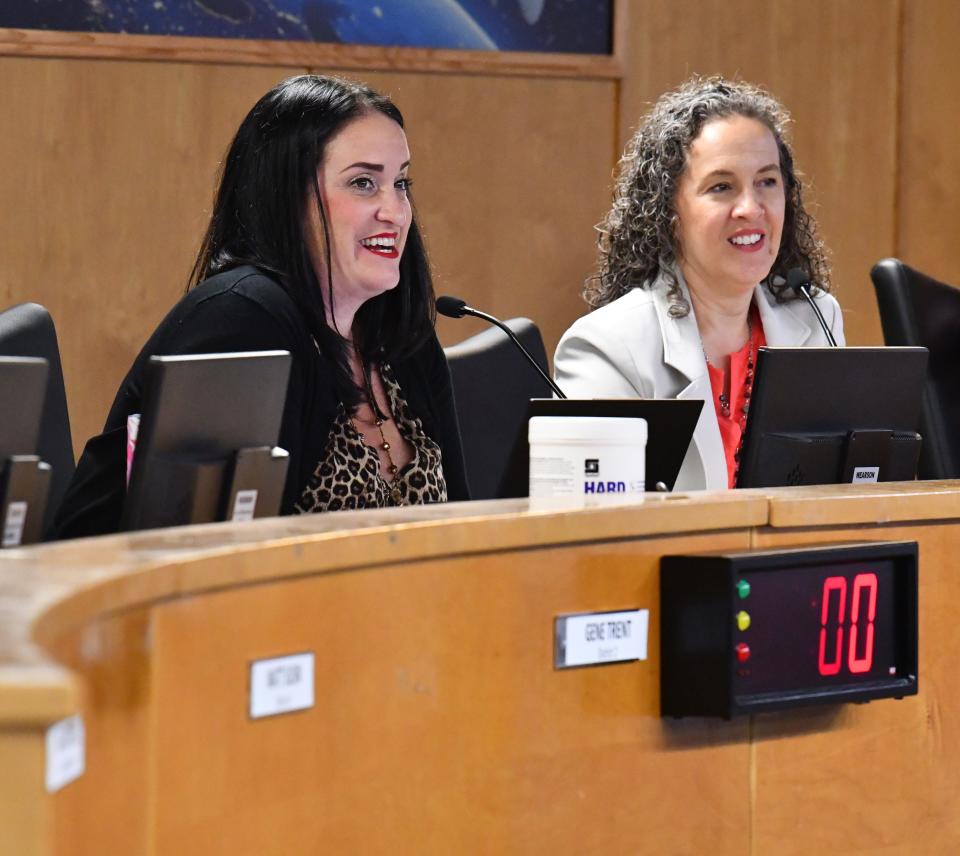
(743, 652)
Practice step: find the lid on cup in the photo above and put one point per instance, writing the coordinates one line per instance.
(617, 430)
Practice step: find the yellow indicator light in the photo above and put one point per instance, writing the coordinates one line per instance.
(743, 620)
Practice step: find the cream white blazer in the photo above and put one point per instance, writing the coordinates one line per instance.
(632, 348)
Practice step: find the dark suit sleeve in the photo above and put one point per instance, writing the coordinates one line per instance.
(227, 321)
(448, 428)
(235, 322)
(93, 502)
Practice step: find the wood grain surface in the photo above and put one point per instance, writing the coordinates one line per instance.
(124, 46)
(111, 170)
(835, 67)
(107, 188)
(440, 724)
(110, 165)
(879, 777)
(929, 174)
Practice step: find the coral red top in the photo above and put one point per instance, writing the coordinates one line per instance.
(741, 384)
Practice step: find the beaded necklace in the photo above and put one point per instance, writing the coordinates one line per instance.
(724, 400)
(379, 417)
(745, 410)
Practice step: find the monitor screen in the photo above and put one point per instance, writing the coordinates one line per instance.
(670, 425)
(833, 416)
(24, 478)
(199, 413)
(23, 386)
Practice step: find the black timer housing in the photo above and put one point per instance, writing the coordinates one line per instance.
(768, 630)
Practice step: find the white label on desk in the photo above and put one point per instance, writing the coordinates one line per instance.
(244, 505)
(601, 637)
(281, 685)
(13, 524)
(865, 474)
(66, 754)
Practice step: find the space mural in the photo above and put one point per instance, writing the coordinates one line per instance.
(564, 26)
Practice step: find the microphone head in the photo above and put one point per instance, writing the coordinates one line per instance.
(798, 278)
(452, 307)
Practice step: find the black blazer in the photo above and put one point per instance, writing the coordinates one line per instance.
(244, 310)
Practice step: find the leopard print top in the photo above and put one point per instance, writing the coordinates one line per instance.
(348, 475)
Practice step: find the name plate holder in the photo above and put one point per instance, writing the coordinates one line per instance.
(600, 638)
(185, 490)
(24, 487)
(868, 455)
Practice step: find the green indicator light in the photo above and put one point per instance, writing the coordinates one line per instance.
(743, 589)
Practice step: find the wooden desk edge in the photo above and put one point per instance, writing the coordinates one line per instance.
(126, 571)
(120, 572)
(36, 695)
(886, 502)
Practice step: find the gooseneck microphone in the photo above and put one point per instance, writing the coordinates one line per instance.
(454, 307)
(798, 280)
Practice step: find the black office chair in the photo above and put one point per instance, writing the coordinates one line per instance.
(27, 331)
(492, 383)
(916, 309)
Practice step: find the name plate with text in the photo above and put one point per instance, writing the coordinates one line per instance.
(65, 752)
(600, 638)
(281, 685)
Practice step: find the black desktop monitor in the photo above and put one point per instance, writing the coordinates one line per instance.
(205, 444)
(24, 478)
(670, 426)
(833, 416)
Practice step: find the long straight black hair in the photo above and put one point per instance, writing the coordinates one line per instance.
(268, 179)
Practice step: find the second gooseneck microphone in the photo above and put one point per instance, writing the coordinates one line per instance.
(454, 307)
(798, 280)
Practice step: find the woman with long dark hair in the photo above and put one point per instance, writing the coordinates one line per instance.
(313, 248)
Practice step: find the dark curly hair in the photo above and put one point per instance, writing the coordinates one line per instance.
(638, 239)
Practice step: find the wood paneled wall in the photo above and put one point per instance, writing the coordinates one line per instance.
(108, 167)
(834, 66)
(107, 178)
(510, 176)
(929, 175)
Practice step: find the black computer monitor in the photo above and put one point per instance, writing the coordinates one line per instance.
(24, 478)
(205, 447)
(833, 416)
(670, 426)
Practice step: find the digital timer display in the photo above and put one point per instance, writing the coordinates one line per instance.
(756, 631)
(833, 627)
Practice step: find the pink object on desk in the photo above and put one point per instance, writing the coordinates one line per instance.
(133, 426)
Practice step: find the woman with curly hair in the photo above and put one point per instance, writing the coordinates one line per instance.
(707, 220)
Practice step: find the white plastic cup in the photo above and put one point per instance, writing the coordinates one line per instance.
(588, 459)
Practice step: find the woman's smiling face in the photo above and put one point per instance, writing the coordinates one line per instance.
(363, 184)
(730, 206)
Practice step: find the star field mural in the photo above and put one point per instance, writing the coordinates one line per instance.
(564, 26)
